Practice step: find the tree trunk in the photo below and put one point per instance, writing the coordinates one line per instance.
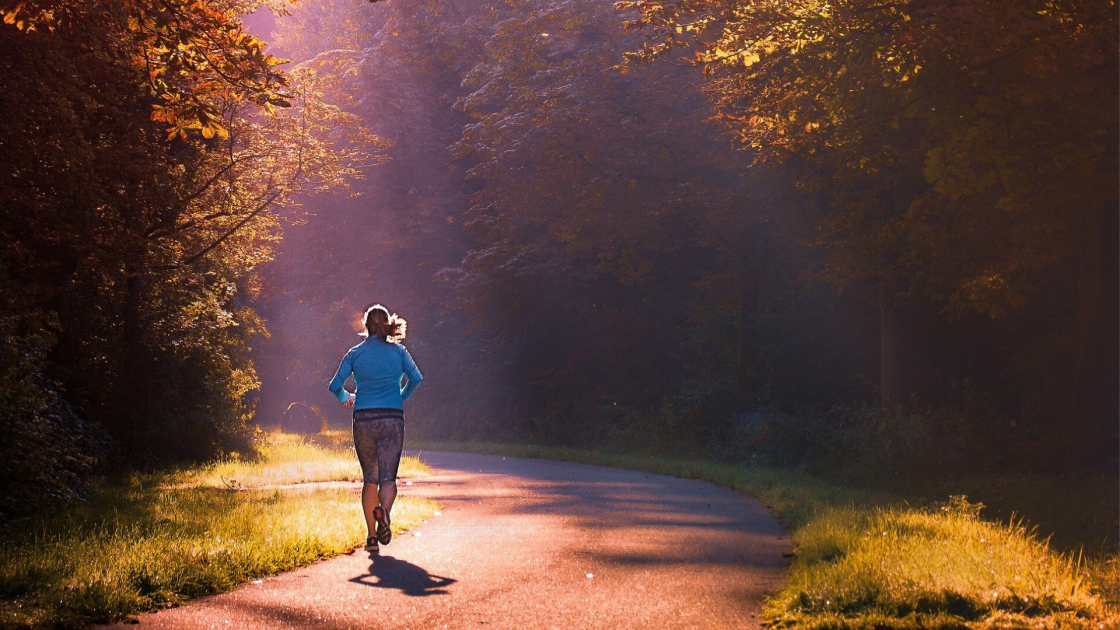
(1095, 402)
(891, 388)
(748, 315)
(128, 407)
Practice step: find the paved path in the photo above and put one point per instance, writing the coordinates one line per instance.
(525, 544)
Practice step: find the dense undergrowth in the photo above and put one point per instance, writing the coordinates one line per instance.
(870, 558)
(146, 541)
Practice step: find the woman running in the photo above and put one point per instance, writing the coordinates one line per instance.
(378, 364)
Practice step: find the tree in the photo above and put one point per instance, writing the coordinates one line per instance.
(967, 149)
(141, 250)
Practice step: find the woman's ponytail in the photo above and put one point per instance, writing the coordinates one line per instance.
(380, 323)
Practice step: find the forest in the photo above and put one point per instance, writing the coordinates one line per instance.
(863, 238)
(812, 240)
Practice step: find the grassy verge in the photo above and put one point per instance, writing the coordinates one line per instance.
(286, 458)
(155, 540)
(873, 559)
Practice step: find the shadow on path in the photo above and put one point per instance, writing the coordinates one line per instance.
(389, 572)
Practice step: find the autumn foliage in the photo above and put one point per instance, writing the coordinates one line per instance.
(193, 54)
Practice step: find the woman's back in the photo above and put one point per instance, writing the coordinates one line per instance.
(377, 366)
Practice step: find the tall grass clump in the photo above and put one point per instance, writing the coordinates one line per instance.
(906, 567)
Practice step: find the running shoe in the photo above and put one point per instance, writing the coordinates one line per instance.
(384, 533)
(371, 544)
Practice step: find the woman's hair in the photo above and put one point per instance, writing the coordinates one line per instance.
(379, 323)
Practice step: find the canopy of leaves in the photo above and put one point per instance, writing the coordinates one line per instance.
(961, 143)
(194, 54)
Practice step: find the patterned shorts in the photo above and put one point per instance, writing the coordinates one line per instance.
(379, 439)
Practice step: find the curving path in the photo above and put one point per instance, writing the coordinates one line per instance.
(526, 544)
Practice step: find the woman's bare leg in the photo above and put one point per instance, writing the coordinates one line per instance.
(369, 502)
(387, 494)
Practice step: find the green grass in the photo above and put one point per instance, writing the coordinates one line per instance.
(921, 568)
(154, 540)
(877, 560)
(286, 458)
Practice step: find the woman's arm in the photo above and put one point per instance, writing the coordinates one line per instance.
(411, 374)
(345, 369)
(411, 382)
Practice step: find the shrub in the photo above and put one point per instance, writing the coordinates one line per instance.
(48, 450)
(875, 441)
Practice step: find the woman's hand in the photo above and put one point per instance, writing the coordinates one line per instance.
(349, 401)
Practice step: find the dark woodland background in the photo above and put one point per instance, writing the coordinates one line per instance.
(874, 259)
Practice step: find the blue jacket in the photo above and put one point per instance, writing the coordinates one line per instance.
(377, 366)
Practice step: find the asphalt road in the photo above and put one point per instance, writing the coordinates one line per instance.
(525, 544)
